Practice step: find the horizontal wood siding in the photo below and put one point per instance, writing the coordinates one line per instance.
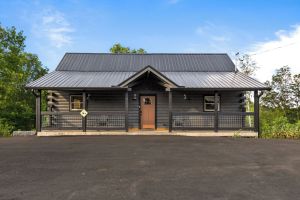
(115, 101)
(107, 101)
(98, 101)
(194, 102)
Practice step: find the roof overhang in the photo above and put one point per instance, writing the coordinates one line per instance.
(221, 89)
(149, 69)
(77, 88)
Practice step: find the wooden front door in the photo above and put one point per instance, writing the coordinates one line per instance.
(147, 112)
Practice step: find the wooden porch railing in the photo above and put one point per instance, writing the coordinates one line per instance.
(211, 121)
(109, 120)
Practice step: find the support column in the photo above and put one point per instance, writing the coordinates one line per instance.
(216, 112)
(84, 107)
(256, 112)
(126, 110)
(38, 111)
(170, 111)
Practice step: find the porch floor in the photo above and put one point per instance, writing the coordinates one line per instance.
(206, 133)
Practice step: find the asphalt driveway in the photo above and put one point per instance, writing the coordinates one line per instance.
(148, 167)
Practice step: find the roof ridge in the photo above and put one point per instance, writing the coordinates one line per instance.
(146, 53)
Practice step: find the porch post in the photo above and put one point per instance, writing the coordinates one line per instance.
(38, 111)
(126, 110)
(216, 112)
(84, 107)
(170, 110)
(256, 112)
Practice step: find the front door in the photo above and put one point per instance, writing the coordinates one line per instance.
(147, 112)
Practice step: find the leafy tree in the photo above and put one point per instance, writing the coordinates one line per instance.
(247, 65)
(295, 87)
(17, 69)
(281, 94)
(119, 49)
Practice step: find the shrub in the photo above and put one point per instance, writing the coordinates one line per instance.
(280, 128)
(5, 128)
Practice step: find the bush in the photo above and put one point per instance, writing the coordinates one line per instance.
(5, 128)
(280, 128)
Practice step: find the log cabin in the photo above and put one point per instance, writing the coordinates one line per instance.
(138, 92)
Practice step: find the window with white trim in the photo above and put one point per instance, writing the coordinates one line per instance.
(76, 102)
(209, 103)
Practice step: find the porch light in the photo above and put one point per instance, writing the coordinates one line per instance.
(184, 97)
(134, 96)
(88, 97)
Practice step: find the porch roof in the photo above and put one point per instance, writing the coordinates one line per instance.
(98, 80)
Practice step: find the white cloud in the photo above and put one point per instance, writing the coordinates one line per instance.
(273, 54)
(214, 33)
(52, 24)
(220, 38)
(211, 37)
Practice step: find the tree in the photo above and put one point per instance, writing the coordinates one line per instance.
(281, 95)
(119, 49)
(247, 65)
(295, 87)
(17, 69)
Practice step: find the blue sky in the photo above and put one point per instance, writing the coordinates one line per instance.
(249, 26)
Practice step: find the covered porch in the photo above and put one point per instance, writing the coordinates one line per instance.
(166, 102)
(178, 111)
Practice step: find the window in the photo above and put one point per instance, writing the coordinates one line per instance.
(147, 101)
(76, 102)
(209, 103)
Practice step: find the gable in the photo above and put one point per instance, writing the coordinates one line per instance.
(166, 82)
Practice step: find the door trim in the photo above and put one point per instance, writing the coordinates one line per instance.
(155, 107)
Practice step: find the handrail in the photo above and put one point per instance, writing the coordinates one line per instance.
(192, 113)
(236, 113)
(208, 120)
(95, 120)
(60, 113)
(78, 113)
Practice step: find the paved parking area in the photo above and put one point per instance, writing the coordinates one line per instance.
(148, 167)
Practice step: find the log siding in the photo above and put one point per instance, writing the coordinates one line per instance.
(114, 101)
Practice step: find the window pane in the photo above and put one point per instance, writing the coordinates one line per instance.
(209, 99)
(76, 102)
(209, 103)
(147, 101)
(210, 106)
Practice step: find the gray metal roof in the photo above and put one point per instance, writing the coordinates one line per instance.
(96, 62)
(222, 80)
(71, 79)
(93, 80)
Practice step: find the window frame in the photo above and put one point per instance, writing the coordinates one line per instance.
(210, 110)
(70, 102)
